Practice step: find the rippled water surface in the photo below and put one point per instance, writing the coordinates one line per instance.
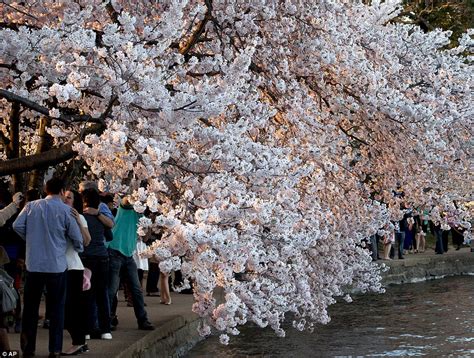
(434, 318)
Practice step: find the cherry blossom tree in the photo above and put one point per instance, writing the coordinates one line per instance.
(264, 137)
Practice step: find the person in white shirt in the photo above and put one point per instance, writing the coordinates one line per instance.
(75, 310)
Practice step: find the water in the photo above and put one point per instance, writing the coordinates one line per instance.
(434, 318)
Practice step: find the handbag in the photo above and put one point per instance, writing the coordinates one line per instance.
(86, 279)
(8, 294)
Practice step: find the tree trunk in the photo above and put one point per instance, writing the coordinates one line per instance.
(13, 148)
(44, 144)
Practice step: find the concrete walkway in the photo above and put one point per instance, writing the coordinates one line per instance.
(176, 330)
(175, 327)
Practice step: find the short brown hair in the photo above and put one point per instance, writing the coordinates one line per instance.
(54, 186)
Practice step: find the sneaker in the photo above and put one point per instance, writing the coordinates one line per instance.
(146, 326)
(106, 336)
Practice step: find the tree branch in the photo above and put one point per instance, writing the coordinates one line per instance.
(56, 155)
(46, 159)
(346, 132)
(37, 161)
(112, 13)
(11, 67)
(13, 149)
(198, 32)
(68, 119)
(174, 163)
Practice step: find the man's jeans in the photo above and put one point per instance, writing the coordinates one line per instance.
(374, 247)
(438, 233)
(400, 239)
(117, 261)
(56, 296)
(97, 297)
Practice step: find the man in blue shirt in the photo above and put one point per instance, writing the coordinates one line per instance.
(46, 225)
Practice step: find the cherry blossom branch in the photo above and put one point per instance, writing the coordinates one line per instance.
(198, 32)
(172, 162)
(37, 161)
(65, 118)
(112, 13)
(11, 67)
(156, 110)
(346, 132)
(18, 10)
(56, 155)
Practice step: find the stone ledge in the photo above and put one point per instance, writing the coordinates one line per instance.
(171, 339)
(418, 268)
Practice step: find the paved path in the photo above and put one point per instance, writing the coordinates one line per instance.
(422, 256)
(127, 339)
(127, 333)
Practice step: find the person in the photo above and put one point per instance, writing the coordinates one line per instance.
(420, 237)
(106, 217)
(141, 262)
(108, 199)
(142, 267)
(400, 232)
(153, 273)
(399, 240)
(425, 220)
(121, 250)
(75, 309)
(95, 258)
(445, 237)
(388, 240)
(13, 245)
(46, 225)
(7, 210)
(438, 233)
(457, 233)
(152, 279)
(410, 230)
(165, 288)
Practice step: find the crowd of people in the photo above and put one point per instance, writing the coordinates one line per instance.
(76, 249)
(409, 236)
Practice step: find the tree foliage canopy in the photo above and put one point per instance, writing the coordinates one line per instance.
(265, 137)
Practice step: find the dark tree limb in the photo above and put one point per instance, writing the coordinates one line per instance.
(199, 30)
(65, 118)
(346, 132)
(13, 149)
(46, 159)
(44, 144)
(11, 67)
(37, 161)
(56, 155)
(114, 15)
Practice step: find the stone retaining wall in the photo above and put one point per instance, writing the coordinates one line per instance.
(428, 268)
(173, 339)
